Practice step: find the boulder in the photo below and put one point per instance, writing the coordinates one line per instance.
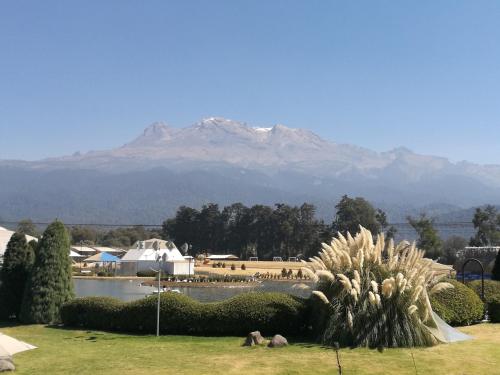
(254, 338)
(6, 364)
(278, 341)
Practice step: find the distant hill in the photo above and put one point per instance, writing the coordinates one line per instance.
(225, 161)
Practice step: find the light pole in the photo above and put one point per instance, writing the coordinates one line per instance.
(159, 260)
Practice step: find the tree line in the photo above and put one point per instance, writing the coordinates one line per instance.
(282, 230)
(268, 231)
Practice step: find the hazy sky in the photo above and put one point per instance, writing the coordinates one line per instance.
(380, 74)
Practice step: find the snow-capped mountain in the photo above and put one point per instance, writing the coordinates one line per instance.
(256, 163)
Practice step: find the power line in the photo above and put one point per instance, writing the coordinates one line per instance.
(88, 224)
(437, 224)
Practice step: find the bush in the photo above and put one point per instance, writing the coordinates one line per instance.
(243, 267)
(494, 310)
(491, 289)
(233, 267)
(146, 273)
(92, 312)
(269, 313)
(458, 306)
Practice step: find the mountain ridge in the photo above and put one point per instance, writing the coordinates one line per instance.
(222, 158)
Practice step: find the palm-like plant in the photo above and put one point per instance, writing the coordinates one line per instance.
(376, 294)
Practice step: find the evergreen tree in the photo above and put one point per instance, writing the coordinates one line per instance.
(49, 285)
(495, 272)
(428, 237)
(353, 212)
(27, 226)
(487, 223)
(18, 260)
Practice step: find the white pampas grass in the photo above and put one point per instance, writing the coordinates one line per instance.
(359, 273)
(439, 287)
(321, 296)
(371, 298)
(412, 309)
(374, 286)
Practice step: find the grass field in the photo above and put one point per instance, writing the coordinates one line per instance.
(251, 268)
(64, 351)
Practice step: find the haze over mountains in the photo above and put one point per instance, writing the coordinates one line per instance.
(225, 161)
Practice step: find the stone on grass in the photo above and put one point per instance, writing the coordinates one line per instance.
(278, 341)
(254, 338)
(6, 364)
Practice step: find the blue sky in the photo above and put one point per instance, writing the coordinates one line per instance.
(92, 74)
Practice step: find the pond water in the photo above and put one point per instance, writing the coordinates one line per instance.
(129, 290)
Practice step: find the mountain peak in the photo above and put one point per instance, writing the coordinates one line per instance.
(218, 121)
(152, 135)
(156, 128)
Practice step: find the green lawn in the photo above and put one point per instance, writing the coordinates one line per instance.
(87, 352)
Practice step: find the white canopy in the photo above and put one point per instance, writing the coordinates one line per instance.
(72, 254)
(5, 236)
(134, 255)
(10, 346)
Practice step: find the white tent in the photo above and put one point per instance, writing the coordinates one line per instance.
(143, 258)
(10, 346)
(5, 236)
(72, 254)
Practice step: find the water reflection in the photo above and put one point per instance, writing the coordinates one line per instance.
(129, 290)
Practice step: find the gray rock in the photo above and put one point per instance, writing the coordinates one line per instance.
(254, 338)
(278, 341)
(6, 364)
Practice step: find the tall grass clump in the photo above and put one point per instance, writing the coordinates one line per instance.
(374, 293)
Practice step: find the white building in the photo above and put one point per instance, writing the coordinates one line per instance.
(5, 236)
(143, 258)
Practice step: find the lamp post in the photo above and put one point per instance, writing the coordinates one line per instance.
(159, 260)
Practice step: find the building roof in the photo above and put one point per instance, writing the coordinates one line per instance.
(151, 243)
(72, 254)
(108, 249)
(82, 249)
(134, 255)
(102, 257)
(5, 236)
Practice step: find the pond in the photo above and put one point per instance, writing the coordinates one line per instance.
(129, 290)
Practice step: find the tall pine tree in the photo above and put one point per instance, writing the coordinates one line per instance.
(49, 285)
(18, 260)
(495, 272)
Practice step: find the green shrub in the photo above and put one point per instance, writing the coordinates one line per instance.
(146, 273)
(269, 313)
(494, 310)
(458, 306)
(233, 267)
(243, 267)
(491, 289)
(92, 312)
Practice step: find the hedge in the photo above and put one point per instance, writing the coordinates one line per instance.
(491, 289)
(494, 310)
(458, 306)
(269, 313)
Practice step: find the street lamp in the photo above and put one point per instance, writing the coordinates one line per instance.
(159, 260)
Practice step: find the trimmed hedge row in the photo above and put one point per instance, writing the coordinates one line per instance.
(491, 289)
(269, 313)
(494, 310)
(458, 306)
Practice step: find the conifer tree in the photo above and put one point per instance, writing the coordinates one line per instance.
(18, 260)
(495, 272)
(49, 285)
